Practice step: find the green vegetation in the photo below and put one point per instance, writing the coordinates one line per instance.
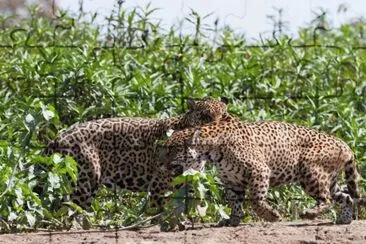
(54, 73)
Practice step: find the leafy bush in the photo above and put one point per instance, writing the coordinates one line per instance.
(56, 72)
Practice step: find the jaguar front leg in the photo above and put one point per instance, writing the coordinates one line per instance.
(234, 196)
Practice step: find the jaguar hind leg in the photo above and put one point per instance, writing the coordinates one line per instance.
(319, 189)
(344, 200)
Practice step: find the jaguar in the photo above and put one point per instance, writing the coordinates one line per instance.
(120, 152)
(257, 155)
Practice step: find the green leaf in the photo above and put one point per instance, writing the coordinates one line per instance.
(71, 167)
(47, 114)
(179, 180)
(222, 212)
(29, 121)
(190, 172)
(57, 158)
(201, 189)
(54, 181)
(12, 216)
(19, 194)
(202, 209)
(30, 218)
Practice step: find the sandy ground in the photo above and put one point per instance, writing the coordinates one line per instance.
(281, 232)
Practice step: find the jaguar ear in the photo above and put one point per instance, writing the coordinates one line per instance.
(225, 100)
(191, 103)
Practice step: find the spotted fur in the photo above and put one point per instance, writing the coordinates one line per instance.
(120, 152)
(257, 155)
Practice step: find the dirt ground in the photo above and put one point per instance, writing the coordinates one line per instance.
(281, 232)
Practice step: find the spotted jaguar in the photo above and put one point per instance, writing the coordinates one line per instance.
(120, 152)
(257, 155)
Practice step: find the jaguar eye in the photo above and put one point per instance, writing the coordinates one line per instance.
(206, 115)
(207, 118)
